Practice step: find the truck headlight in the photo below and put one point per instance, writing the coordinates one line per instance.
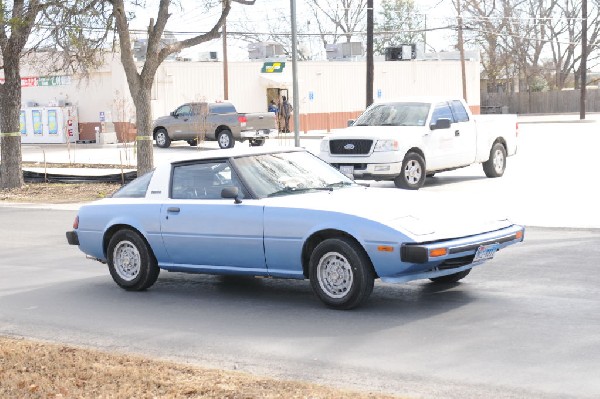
(325, 145)
(386, 145)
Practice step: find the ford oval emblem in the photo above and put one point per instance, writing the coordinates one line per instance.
(349, 147)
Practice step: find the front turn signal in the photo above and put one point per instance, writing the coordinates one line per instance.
(437, 252)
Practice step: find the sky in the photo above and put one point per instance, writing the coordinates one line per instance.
(191, 17)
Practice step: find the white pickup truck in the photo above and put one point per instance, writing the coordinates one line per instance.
(409, 139)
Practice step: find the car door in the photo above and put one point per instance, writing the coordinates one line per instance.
(180, 126)
(204, 232)
(440, 142)
(465, 135)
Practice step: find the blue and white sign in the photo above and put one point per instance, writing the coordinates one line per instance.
(379, 93)
(102, 116)
(311, 96)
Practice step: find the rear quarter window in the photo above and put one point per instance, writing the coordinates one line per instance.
(135, 189)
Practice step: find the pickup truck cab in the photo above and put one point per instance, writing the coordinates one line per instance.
(409, 139)
(212, 121)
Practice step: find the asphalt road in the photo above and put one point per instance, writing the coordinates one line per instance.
(525, 325)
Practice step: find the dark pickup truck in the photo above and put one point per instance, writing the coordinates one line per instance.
(220, 121)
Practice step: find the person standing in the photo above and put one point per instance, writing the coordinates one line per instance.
(286, 112)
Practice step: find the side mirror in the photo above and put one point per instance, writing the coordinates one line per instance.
(350, 122)
(231, 192)
(172, 113)
(442, 123)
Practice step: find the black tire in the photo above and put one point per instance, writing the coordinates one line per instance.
(162, 138)
(193, 143)
(131, 262)
(413, 172)
(332, 263)
(451, 278)
(257, 142)
(495, 166)
(225, 139)
(430, 174)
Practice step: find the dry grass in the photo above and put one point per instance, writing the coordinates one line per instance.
(32, 369)
(58, 193)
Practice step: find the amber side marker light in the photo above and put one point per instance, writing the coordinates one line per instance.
(519, 235)
(76, 222)
(385, 248)
(434, 253)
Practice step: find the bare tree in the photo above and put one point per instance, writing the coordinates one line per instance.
(140, 81)
(63, 27)
(338, 18)
(399, 22)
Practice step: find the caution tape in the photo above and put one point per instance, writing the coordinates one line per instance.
(14, 134)
(144, 138)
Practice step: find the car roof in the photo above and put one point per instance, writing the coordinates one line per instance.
(232, 153)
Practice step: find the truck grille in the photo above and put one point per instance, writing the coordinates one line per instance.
(350, 147)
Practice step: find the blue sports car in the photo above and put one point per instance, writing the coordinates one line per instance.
(283, 213)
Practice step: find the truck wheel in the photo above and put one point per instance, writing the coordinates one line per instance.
(162, 138)
(340, 273)
(257, 142)
(412, 176)
(225, 139)
(451, 278)
(494, 167)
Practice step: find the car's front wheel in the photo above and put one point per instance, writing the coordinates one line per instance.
(451, 278)
(495, 165)
(412, 176)
(162, 138)
(341, 273)
(225, 139)
(131, 262)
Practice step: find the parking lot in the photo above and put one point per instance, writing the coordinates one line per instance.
(550, 182)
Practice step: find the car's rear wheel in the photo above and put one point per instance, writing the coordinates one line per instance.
(341, 273)
(451, 278)
(412, 176)
(131, 262)
(494, 167)
(225, 139)
(162, 138)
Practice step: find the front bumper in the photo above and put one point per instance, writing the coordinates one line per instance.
(384, 165)
(72, 238)
(259, 134)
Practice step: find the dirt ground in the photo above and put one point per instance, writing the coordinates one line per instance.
(33, 369)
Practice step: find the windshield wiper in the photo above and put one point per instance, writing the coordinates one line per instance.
(340, 184)
(295, 190)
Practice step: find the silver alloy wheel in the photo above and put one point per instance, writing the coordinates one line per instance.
(334, 274)
(413, 172)
(127, 260)
(160, 138)
(498, 161)
(224, 140)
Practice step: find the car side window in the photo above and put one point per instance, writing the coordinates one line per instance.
(460, 113)
(442, 110)
(184, 110)
(203, 180)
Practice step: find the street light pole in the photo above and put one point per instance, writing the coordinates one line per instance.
(370, 66)
(583, 65)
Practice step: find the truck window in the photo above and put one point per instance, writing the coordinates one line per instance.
(184, 110)
(442, 110)
(460, 113)
(222, 108)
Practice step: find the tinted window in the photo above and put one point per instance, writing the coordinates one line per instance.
(442, 110)
(203, 180)
(184, 110)
(222, 108)
(135, 189)
(459, 111)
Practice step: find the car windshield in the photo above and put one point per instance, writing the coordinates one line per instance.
(270, 175)
(395, 114)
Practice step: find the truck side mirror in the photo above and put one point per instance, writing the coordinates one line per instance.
(350, 122)
(442, 123)
(173, 114)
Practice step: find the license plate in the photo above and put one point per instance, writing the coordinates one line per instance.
(348, 170)
(485, 252)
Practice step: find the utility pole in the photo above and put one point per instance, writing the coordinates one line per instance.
(461, 49)
(295, 75)
(584, 55)
(225, 66)
(370, 67)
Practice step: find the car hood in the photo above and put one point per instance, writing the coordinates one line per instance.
(372, 132)
(426, 216)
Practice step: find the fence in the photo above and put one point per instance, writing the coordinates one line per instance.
(549, 102)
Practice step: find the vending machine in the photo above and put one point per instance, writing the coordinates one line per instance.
(47, 125)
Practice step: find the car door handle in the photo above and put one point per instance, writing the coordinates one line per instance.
(457, 132)
(173, 209)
